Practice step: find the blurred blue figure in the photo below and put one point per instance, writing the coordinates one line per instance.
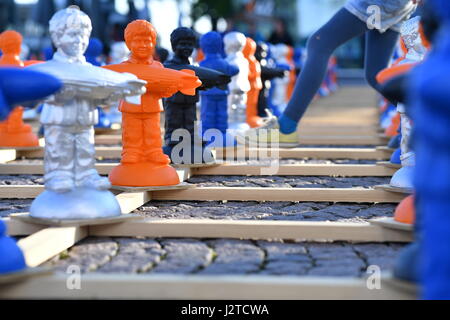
(214, 113)
(93, 54)
(18, 86)
(430, 95)
(94, 51)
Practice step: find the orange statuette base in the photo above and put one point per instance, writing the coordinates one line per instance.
(405, 211)
(143, 174)
(254, 121)
(21, 139)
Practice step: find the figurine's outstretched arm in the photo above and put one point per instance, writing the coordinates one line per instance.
(160, 80)
(19, 85)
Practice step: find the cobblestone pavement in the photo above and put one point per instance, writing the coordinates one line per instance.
(252, 210)
(225, 256)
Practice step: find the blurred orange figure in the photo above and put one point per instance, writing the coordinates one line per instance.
(292, 75)
(405, 211)
(254, 77)
(13, 131)
(143, 161)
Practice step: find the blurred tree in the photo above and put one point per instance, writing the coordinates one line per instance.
(215, 9)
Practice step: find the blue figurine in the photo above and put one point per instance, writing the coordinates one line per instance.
(214, 114)
(93, 54)
(16, 87)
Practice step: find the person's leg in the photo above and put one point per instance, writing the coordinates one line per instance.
(379, 50)
(341, 28)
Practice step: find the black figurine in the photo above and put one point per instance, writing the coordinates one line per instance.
(180, 109)
(268, 72)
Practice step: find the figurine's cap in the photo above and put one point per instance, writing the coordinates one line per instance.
(234, 41)
(70, 17)
(182, 33)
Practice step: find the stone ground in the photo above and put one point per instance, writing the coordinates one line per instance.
(225, 256)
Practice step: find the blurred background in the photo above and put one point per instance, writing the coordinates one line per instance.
(286, 21)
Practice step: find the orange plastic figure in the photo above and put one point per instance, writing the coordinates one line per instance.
(13, 131)
(292, 75)
(405, 211)
(254, 77)
(143, 161)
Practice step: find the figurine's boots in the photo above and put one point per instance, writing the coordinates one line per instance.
(405, 211)
(403, 178)
(15, 133)
(12, 259)
(253, 119)
(143, 161)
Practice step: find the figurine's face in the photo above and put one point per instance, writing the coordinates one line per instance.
(142, 46)
(74, 42)
(184, 48)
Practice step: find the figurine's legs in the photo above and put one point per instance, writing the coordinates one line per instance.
(208, 113)
(85, 173)
(221, 114)
(152, 142)
(132, 137)
(59, 158)
(190, 117)
(174, 119)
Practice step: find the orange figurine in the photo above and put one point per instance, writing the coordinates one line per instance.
(13, 131)
(254, 77)
(143, 161)
(405, 211)
(292, 73)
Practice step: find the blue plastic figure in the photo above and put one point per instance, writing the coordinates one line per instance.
(92, 54)
(214, 114)
(18, 86)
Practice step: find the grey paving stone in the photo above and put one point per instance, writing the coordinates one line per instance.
(9, 206)
(234, 256)
(183, 256)
(89, 254)
(134, 255)
(286, 268)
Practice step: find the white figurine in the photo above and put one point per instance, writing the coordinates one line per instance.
(234, 43)
(279, 97)
(410, 34)
(74, 189)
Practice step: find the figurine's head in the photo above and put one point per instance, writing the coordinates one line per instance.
(250, 47)
(10, 42)
(70, 29)
(183, 42)
(234, 42)
(140, 37)
(262, 51)
(119, 52)
(95, 48)
(211, 43)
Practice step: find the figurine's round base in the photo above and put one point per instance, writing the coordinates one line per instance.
(403, 178)
(80, 203)
(143, 174)
(234, 128)
(254, 121)
(20, 139)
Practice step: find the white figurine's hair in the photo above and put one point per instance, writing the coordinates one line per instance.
(71, 17)
(410, 26)
(234, 41)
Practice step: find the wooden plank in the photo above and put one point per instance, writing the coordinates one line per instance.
(130, 201)
(245, 229)
(20, 228)
(305, 153)
(243, 194)
(342, 170)
(46, 243)
(305, 140)
(189, 287)
(100, 152)
(7, 155)
(280, 194)
(314, 130)
(20, 191)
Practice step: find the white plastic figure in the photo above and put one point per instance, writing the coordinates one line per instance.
(234, 43)
(74, 189)
(279, 98)
(416, 53)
